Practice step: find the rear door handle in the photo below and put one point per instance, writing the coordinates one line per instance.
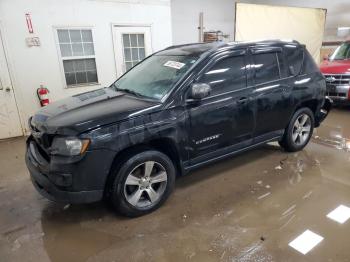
(242, 100)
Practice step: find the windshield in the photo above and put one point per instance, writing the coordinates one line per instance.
(154, 77)
(342, 52)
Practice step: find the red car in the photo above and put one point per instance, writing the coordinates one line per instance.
(336, 70)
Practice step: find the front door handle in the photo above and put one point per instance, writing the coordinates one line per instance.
(7, 89)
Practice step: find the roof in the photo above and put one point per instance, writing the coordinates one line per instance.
(197, 49)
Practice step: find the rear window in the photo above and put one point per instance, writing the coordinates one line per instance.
(294, 57)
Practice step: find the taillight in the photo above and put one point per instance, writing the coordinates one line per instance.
(349, 94)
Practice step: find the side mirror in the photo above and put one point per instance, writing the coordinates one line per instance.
(200, 91)
(292, 70)
(326, 57)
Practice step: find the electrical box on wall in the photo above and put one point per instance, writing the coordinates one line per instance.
(33, 41)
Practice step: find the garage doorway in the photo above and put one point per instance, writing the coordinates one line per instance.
(131, 45)
(10, 125)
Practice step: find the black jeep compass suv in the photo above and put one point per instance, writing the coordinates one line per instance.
(178, 109)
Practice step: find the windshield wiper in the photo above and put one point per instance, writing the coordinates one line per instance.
(132, 92)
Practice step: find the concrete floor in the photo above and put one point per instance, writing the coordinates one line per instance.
(247, 208)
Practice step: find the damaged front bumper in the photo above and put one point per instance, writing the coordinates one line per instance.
(68, 182)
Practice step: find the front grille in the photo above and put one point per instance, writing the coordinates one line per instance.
(42, 140)
(43, 153)
(337, 79)
(337, 85)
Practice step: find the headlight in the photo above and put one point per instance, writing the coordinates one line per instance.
(69, 146)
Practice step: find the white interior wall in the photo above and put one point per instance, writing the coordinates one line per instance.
(219, 15)
(32, 66)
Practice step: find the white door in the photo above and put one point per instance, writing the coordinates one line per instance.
(10, 125)
(131, 45)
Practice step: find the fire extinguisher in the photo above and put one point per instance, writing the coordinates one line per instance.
(43, 95)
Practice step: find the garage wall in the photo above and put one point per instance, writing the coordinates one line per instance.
(219, 15)
(32, 66)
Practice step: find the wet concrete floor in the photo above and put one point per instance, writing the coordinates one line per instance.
(246, 208)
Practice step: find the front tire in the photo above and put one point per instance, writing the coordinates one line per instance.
(143, 183)
(299, 130)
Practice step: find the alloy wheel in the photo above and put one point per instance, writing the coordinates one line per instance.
(145, 184)
(301, 129)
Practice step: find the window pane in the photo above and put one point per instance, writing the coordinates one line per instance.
(75, 36)
(68, 66)
(92, 76)
(77, 49)
(133, 39)
(134, 54)
(89, 49)
(283, 67)
(79, 65)
(70, 78)
(63, 36)
(81, 77)
(128, 65)
(141, 40)
(266, 67)
(80, 71)
(294, 57)
(142, 54)
(66, 50)
(90, 64)
(77, 42)
(87, 35)
(127, 54)
(126, 41)
(226, 75)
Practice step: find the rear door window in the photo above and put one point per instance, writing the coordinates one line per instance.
(266, 67)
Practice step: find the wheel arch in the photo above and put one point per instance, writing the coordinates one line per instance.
(164, 145)
(312, 104)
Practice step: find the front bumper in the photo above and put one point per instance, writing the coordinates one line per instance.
(340, 100)
(74, 183)
(50, 191)
(338, 93)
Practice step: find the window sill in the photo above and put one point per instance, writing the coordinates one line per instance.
(82, 85)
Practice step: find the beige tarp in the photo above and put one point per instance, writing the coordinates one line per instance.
(305, 25)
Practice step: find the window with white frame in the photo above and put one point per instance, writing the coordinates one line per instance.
(78, 56)
(134, 49)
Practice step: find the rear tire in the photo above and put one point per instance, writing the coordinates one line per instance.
(142, 183)
(299, 130)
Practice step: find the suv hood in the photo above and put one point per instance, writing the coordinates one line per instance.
(87, 111)
(335, 67)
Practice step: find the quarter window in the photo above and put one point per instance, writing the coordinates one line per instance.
(78, 56)
(226, 75)
(266, 67)
(294, 56)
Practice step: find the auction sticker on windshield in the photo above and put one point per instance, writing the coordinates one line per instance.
(174, 64)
